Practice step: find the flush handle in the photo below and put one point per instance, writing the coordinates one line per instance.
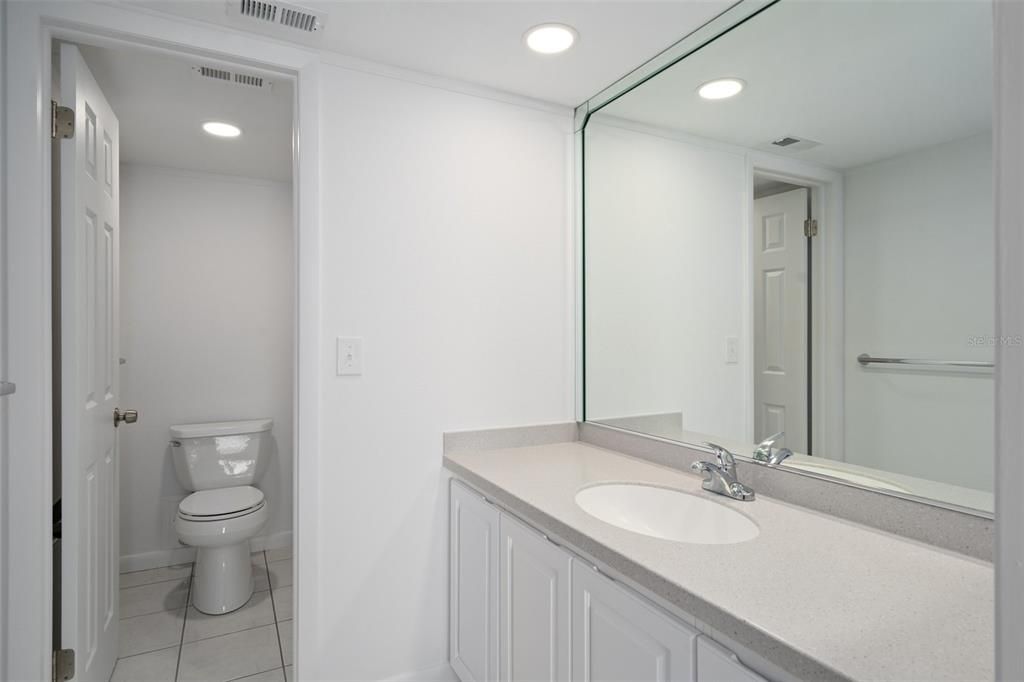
(126, 416)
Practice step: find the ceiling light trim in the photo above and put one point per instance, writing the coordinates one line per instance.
(551, 38)
(222, 129)
(719, 89)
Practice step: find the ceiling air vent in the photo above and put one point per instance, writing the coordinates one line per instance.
(210, 72)
(246, 80)
(790, 143)
(785, 141)
(280, 15)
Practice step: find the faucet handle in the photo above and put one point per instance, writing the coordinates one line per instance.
(725, 458)
(763, 453)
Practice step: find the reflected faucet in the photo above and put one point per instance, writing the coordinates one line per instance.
(721, 478)
(764, 452)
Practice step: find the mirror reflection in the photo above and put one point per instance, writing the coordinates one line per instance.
(790, 231)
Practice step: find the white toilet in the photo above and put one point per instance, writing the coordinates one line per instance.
(221, 462)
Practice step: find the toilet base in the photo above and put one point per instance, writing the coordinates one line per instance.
(223, 578)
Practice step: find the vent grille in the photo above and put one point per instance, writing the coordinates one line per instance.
(281, 14)
(209, 72)
(785, 141)
(247, 80)
(790, 143)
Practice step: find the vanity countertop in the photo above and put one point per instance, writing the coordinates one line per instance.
(819, 597)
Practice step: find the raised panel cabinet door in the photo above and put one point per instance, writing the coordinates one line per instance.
(619, 637)
(715, 663)
(473, 611)
(534, 606)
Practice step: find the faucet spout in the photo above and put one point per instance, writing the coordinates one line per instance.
(720, 476)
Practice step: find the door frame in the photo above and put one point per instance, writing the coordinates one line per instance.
(31, 30)
(827, 319)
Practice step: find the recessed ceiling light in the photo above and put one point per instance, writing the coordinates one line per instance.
(550, 38)
(721, 88)
(221, 129)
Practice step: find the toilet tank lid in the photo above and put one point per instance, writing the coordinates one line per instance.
(209, 429)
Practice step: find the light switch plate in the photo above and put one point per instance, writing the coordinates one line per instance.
(732, 350)
(350, 356)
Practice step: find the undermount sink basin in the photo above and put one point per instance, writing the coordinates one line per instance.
(665, 513)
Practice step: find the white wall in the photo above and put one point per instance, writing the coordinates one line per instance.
(665, 280)
(920, 283)
(207, 326)
(446, 248)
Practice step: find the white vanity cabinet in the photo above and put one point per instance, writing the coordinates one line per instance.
(473, 616)
(533, 607)
(523, 609)
(715, 663)
(618, 636)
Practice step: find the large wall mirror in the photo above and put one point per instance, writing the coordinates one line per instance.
(790, 231)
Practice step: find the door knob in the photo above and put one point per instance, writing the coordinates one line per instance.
(127, 416)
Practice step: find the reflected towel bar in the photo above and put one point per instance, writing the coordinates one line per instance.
(865, 359)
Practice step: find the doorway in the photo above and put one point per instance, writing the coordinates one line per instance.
(782, 277)
(174, 284)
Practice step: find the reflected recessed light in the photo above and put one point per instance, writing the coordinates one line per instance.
(221, 129)
(721, 88)
(550, 38)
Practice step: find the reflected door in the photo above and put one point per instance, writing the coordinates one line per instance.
(780, 318)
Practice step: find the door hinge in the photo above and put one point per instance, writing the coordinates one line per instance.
(810, 228)
(63, 664)
(62, 121)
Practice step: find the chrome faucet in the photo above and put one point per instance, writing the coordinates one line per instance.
(721, 477)
(764, 452)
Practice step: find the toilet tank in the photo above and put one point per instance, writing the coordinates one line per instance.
(221, 454)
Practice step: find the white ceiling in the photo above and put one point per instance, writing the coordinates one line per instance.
(481, 41)
(161, 105)
(868, 80)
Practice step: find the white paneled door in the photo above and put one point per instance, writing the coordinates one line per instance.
(89, 373)
(780, 318)
(617, 637)
(534, 606)
(473, 615)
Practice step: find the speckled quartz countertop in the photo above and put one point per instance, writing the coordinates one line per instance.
(819, 597)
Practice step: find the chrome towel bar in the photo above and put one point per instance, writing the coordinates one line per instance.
(865, 359)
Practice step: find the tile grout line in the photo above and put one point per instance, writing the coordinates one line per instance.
(277, 625)
(184, 621)
(153, 613)
(150, 584)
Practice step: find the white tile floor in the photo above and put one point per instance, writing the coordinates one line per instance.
(165, 639)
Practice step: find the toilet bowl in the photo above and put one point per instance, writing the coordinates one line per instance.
(221, 462)
(220, 523)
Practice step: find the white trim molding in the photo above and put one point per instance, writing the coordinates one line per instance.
(30, 29)
(1008, 144)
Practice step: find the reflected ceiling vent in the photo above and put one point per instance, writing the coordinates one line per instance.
(279, 18)
(246, 80)
(792, 143)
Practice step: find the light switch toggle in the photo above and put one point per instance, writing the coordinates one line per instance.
(350, 356)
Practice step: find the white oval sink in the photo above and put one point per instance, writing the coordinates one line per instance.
(666, 514)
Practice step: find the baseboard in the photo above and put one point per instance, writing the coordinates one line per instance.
(273, 541)
(441, 673)
(182, 555)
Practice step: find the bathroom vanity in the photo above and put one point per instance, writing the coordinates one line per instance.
(540, 589)
(783, 250)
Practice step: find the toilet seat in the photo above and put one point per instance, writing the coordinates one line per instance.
(221, 504)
